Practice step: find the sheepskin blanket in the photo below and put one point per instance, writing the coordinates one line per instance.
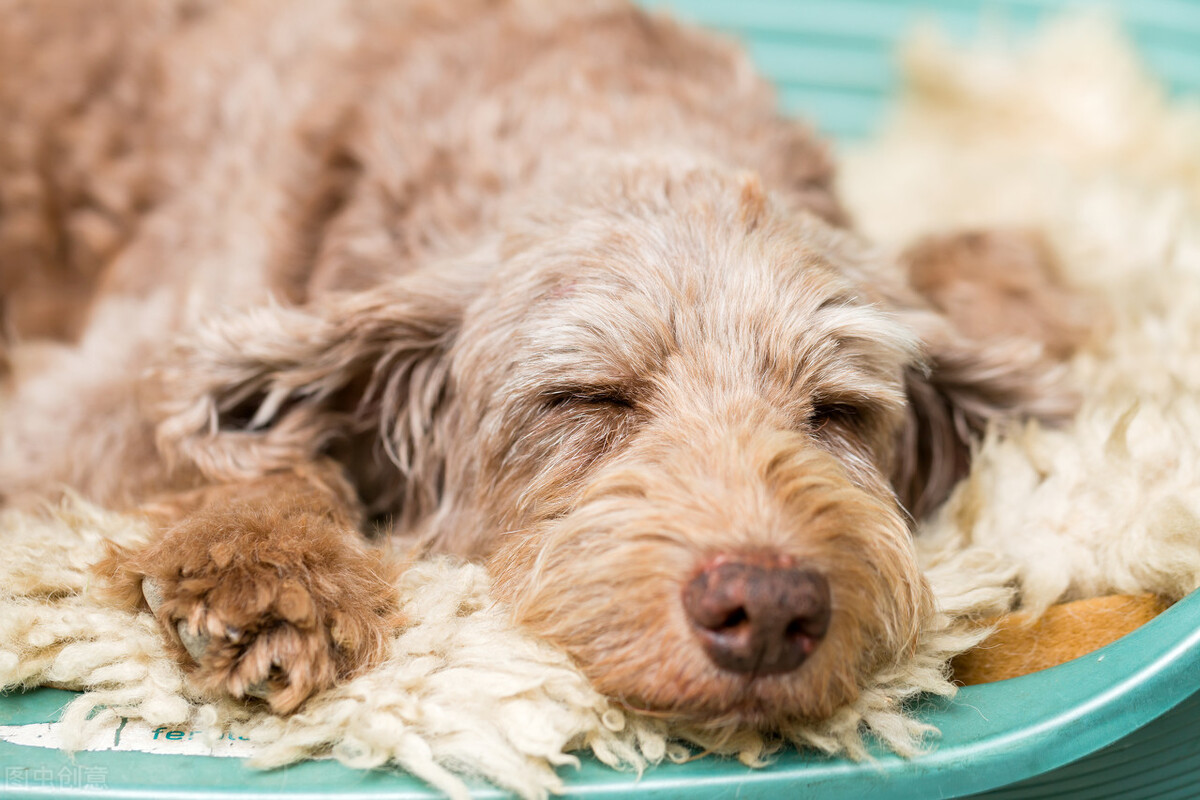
(1067, 135)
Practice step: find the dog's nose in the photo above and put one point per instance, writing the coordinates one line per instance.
(756, 618)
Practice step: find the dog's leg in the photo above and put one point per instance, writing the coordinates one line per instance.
(264, 588)
(996, 284)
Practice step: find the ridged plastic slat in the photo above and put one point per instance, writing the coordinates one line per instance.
(833, 59)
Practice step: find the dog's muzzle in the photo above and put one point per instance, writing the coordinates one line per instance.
(758, 618)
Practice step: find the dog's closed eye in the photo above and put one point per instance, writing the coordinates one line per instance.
(599, 397)
(833, 412)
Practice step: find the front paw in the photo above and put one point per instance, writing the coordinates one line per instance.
(265, 605)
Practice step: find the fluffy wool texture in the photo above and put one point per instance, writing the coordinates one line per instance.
(462, 692)
(1069, 135)
(1110, 502)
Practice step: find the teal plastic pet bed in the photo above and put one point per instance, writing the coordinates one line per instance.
(1123, 722)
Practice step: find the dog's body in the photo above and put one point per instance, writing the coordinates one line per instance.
(547, 284)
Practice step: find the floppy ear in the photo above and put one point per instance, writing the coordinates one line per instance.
(998, 325)
(275, 386)
(963, 387)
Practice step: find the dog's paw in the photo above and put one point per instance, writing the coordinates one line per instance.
(277, 609)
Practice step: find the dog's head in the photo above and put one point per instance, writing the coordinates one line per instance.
(674, 414)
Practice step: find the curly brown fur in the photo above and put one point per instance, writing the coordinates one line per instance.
(271, 577)
(1001, 284)
(552, 285)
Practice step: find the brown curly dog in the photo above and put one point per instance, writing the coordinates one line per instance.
(547, 284)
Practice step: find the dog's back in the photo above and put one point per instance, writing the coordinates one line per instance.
(550, 284)
(238, 150)
(163, 162)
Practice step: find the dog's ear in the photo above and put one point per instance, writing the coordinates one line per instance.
(962, 387)
(277, 386)
(997, 323)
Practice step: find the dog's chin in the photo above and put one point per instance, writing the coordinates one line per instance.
(663, 672)
(618, 601)
(703, 696)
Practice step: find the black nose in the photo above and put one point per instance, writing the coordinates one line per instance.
(758, 619)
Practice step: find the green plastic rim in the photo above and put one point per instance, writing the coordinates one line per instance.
(992, 735)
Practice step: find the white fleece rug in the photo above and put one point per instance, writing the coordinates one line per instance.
(1067, 135)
